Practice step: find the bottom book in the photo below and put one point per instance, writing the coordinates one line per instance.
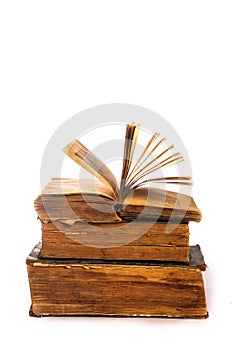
(66, 287)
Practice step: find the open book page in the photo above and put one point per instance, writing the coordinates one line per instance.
(72, 200)
(151, 199)
(63, 186)
(86, 159)
(156, 197)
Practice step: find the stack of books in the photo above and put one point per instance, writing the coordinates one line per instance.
(117, 250)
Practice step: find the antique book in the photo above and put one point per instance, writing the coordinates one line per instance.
(80, 225)
(118, 241)
(83, 218)
(76, 287)
(86, 200)
(104, 200)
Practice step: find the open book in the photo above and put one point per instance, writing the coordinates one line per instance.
(134, 176)
(73, 200)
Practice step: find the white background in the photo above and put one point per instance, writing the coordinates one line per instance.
(60, 57)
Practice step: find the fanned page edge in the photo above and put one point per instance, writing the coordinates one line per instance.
(86, 159)
(143, 168)
(131, 136)
(92, 164)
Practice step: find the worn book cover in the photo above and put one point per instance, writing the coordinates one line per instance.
(96, 287)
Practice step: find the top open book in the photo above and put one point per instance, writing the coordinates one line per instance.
(133, 188)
